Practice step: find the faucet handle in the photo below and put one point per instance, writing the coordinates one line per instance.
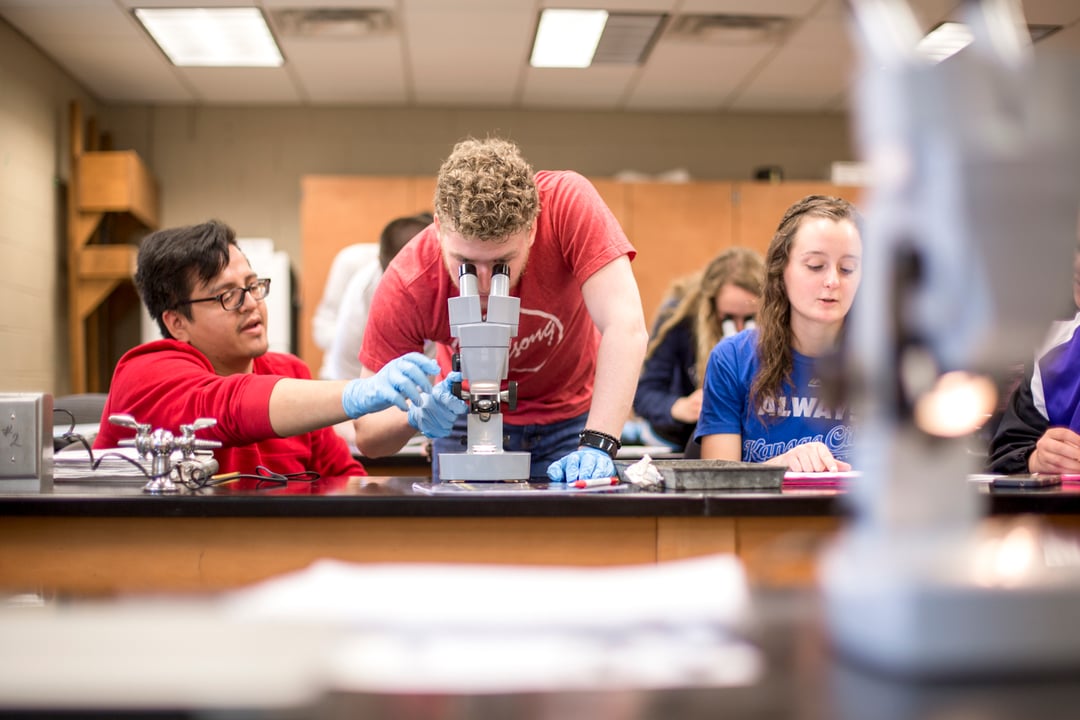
(189, 443)
(125, 420)
(190, 429)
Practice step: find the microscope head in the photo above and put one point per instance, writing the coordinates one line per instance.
(484, 341)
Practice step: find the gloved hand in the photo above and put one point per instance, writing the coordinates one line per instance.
(583, 464)
(434, 415)
(401, 378)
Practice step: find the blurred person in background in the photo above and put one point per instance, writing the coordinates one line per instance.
(700, 310)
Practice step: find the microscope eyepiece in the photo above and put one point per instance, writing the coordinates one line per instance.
(466, 269)
(501, 269)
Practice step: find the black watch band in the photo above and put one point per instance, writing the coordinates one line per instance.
(600, 441)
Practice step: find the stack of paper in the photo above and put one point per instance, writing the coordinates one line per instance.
(73, 463)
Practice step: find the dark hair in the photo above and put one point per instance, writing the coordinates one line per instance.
(172, 261)
(775, 338)
(397, 235)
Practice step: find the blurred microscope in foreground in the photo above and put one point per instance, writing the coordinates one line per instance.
(484, 360)
(969, 240)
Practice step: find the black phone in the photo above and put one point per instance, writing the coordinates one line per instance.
(1026, 482)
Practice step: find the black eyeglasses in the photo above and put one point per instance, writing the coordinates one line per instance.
(233, 299)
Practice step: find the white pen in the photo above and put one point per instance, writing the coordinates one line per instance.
(595, 482)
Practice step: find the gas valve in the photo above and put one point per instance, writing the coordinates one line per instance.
(158, 445)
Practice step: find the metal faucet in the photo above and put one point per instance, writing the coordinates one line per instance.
(158, 445)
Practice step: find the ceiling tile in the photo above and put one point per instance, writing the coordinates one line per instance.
(600, 87)
(478, 59)
(368, 70)
(807, 72)
(124, 71)
(228, 86)
(684, 75)
(48, 24)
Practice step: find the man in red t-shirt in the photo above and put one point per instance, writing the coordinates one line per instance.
(581, 334)
(214, 363)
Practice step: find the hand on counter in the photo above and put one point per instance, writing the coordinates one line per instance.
(810, 457)
(434, 415)
(583, 464)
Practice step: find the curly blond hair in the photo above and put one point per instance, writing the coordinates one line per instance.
(486, 190)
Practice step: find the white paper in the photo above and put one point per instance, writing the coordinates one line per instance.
(419, 628)
(823, 476)
(710, 590)
(73, 463)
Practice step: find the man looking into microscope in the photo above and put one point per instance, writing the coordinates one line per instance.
(214, 363)
(581, 334)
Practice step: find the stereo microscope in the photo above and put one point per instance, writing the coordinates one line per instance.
(484, 358)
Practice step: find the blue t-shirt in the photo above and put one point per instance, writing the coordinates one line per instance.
(797, 416)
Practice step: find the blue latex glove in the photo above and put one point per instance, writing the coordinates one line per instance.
(401, 379)
(434, 415)
(583, 464)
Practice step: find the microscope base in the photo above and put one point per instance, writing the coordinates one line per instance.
(951, 618)
(485, 467)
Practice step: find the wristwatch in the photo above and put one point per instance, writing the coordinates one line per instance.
(600, 441)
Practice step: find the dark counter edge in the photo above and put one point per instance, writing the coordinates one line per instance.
(397, 499)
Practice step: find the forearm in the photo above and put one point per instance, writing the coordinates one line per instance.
(300, 406)
(721, 447)
(618, 362)
(382, 433)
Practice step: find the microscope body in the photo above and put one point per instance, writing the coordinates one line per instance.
(484, 360)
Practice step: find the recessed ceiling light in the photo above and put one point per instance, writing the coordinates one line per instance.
(212, 37)
(947, 38)
(567, 38)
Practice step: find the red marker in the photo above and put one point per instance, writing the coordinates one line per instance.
(595, 482)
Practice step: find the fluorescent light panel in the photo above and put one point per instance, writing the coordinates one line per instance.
(212, 37)
(567, 38)
(949, 38)
(945, 40)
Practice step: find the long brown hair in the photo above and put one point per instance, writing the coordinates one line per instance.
(694, 296)
(775, 339)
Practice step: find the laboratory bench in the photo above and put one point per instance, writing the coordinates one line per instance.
(108, 537)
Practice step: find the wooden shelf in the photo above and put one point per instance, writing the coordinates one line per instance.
(117, 181)
(112, 199)
(107, 262)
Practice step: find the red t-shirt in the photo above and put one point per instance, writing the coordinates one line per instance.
(168, 383)
(553, 356)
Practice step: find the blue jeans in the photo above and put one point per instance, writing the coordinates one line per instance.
(547, 443)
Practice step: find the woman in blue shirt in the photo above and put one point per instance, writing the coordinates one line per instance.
(763, 399)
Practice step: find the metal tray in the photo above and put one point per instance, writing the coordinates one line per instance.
(719, 475)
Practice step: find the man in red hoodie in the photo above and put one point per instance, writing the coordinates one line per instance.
(214, 363)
